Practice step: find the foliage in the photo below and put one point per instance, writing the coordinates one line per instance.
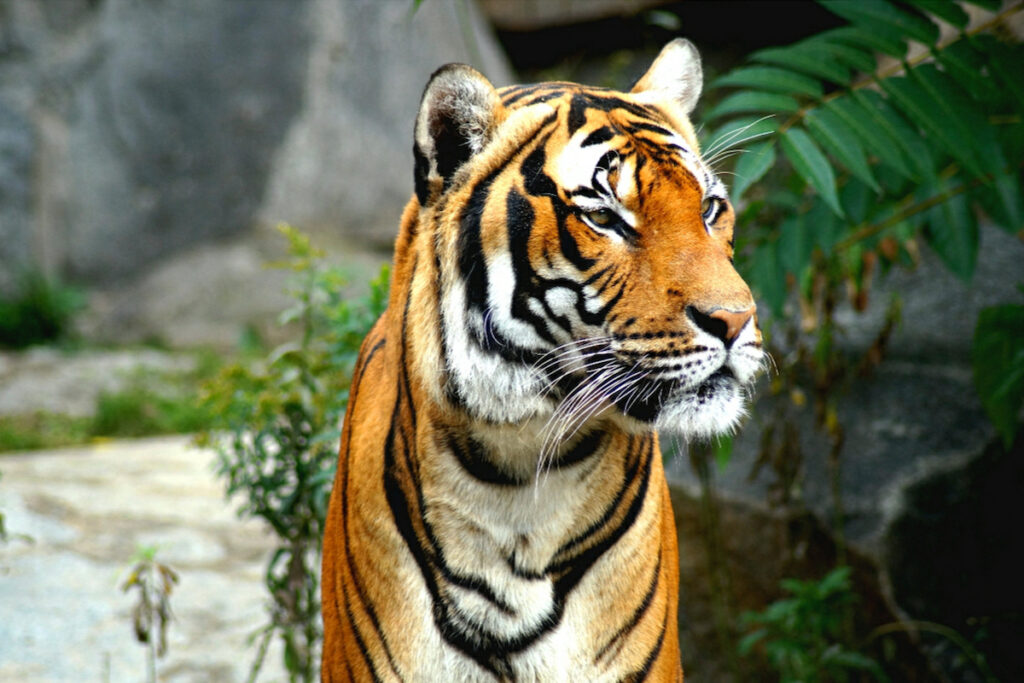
(863, 144)
(42, 430)
(998, 359)
(152, 402)
(281, 416)
(39, 310)
(152, 613)
(860, 148)
(802, 634)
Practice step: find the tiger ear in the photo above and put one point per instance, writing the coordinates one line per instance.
(458, 114)
(676, 74)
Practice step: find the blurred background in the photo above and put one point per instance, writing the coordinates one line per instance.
(149, 150)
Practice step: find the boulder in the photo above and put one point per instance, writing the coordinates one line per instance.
(134, 130)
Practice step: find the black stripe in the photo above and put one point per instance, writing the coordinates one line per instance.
(636, 126)
(363, 649)
(641, 673)
(581, 450)
(574, 568)
(349, 558)
(473, 458)
(638, 613)
(520, 218)
(577, 112)
(598, 136)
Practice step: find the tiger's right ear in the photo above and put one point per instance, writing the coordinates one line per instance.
(459, 113)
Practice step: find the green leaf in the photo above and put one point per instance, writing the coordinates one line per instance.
(952, 231)
(879, 139)
(990, 5)
(767, 279)
(997, 356)
(884, 16)
(737, 132)
(809, 59)
(947, 10)
(795, 245)
(1004, 62)
(811, 164)
(907, 138)
(771, 78)
(876, 41)
(723, 450)
(753, 101)
(845, 53)
(943, 123)
(823, 225)
(979, 134)
(752, 166)
(1003, 201)
(857, 199)
(748, 641)
(964, 64)
(829, 129)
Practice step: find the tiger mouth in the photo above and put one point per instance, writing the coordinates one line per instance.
(654, 394)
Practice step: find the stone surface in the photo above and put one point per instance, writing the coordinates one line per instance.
(131, 131)
(16, 152)
(68, 383)
(75, 519)
(175, 127)
(347, 160)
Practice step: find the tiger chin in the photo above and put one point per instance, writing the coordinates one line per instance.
(563, 288)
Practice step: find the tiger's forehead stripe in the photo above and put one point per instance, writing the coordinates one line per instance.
(576, 165)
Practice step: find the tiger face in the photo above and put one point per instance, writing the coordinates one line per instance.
(586, 258)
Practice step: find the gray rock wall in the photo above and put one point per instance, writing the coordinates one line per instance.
(131, 129)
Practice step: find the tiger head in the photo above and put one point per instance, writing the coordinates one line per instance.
(583, 254)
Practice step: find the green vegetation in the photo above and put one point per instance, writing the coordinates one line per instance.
(38, 310)
(802, 635)
(152, 402)
(279, 420)
(859, 151)
(998, 360)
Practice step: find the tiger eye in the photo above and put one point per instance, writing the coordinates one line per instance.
(707, 206)
(601, 217)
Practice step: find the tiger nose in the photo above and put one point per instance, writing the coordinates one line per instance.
(721, 322)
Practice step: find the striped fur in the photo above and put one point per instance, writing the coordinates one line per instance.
(562, 289)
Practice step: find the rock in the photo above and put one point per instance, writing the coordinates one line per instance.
(76, 519)
(953, 555)
(175, 127)
(347, 162)
(139, 130)
(69, 383)
(16, 153)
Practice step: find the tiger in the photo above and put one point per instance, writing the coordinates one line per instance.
(563, 289)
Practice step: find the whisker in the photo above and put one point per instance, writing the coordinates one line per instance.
(727, 141)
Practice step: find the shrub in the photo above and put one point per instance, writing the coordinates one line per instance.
(282, 418)
(38, 310)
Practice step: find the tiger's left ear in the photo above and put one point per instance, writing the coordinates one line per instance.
(676, 74)
(459, 113)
